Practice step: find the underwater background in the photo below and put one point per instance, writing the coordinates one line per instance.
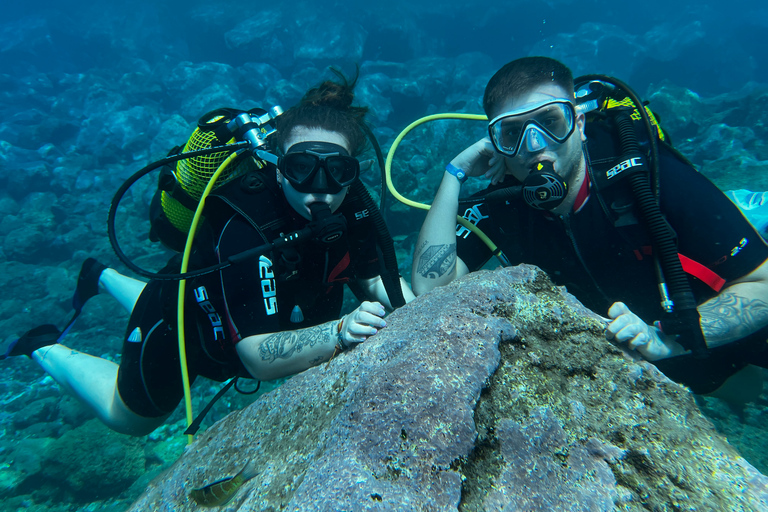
(92, 92)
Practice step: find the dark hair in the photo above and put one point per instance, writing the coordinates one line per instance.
(522, 75)
(327, 106)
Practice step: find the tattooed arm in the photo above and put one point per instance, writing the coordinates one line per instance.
(279, 354)
(738, 311)
(435, 262)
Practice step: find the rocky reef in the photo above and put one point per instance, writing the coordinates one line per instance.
(496, 392)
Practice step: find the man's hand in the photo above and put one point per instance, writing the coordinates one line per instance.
(652, 344)
(362, 323)
(480, 159)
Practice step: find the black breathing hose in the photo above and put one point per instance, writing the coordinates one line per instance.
(686, 315)
(650, 130)
(380, 159)
(391, 275)
(502, 194)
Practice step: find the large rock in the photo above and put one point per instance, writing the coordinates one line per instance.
(496, 392)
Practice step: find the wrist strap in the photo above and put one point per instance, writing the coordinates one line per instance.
(460, 175)
(339, 337)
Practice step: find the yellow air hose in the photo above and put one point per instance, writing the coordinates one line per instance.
(183, 288)
(388, 173)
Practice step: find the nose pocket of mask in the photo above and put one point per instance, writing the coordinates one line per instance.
(534, 140)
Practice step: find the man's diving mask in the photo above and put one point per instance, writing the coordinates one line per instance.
(533, 128)
(319, 167)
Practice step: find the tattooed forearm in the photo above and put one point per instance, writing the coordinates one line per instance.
(436, 261)
(729, 317)
(283, 345)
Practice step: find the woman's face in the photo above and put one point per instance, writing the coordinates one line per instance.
(300, 201)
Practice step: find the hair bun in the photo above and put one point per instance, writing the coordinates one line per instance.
(336, 95)
(327, 106)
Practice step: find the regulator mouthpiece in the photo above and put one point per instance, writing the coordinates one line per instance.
(326, 227)
(543, 188)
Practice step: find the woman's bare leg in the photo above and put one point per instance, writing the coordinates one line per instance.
(94, 382)
(124, 289)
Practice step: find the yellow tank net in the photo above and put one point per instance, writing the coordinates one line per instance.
(193, 175)
(626, 102)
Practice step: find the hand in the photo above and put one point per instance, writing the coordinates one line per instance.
(480, 159)
(362, 323)
(652, 344)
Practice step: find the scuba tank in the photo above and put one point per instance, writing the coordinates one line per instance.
(227, 140)
(180, 186)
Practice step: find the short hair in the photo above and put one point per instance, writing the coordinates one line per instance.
(327, 106)
(521, 75)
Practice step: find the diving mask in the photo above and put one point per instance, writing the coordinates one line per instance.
(533, 128)
(319, 167)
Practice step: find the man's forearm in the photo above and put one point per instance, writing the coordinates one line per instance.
(735, 313)
(434, 260)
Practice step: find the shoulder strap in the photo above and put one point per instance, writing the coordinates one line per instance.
(254, 196)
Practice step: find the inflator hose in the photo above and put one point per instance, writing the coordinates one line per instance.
(663, 238)
(650, 130)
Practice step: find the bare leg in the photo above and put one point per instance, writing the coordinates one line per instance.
(94, 382)
(124, 289)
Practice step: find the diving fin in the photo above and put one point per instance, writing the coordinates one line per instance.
(40, 336)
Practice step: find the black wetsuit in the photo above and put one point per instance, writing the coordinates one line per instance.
(255, 297)
(603, 255)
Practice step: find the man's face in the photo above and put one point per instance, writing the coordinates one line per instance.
(566, 157)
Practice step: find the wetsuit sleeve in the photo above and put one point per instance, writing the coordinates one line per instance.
(710, 228)
(469, 247)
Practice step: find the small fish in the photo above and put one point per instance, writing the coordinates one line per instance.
(221, 491)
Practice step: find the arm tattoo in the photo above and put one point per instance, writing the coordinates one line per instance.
(282, 345)
(436, 261)
(729, 317)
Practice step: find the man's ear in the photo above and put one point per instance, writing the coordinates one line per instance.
(581, 120)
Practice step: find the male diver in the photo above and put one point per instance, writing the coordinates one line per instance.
(590, 237)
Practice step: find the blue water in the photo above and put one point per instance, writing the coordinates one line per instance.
(91, 92)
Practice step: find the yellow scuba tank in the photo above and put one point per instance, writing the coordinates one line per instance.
(181, 186)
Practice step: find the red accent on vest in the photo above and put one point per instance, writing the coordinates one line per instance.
(703, 273)
(338, 269)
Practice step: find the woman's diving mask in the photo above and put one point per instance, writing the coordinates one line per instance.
(319, 167)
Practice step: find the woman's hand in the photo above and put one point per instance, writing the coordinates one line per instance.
(362, 323)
